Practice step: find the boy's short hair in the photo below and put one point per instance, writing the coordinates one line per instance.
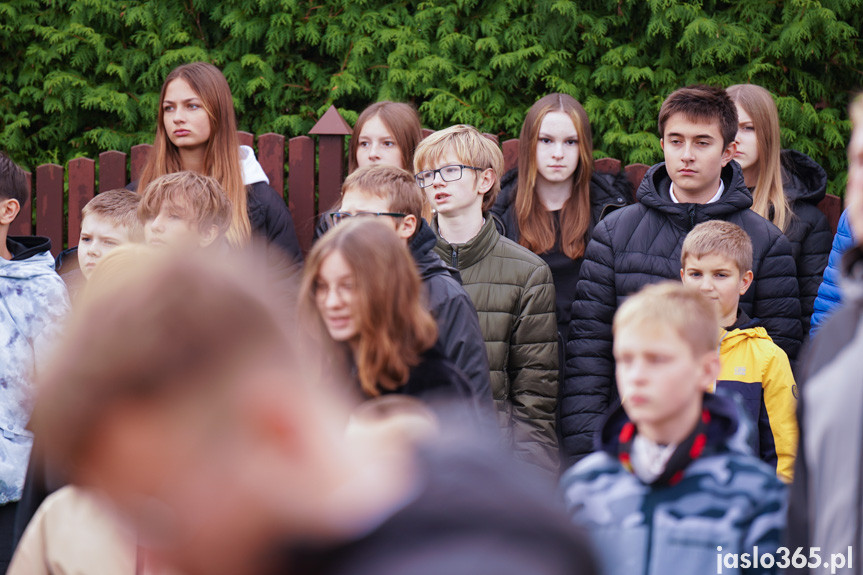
(393, 184)
(700, 103)
(120, 208)
(683, 309)
(470, 147)
(719, 237)
(13, 181)
(201, 196)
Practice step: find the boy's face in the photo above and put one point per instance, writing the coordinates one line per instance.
(660, 380)
(172, 227)
(98, 237)
(460, 197)
(694, 157)
(356, 201)
(717, 277)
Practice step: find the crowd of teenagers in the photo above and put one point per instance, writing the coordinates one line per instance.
(541, 371)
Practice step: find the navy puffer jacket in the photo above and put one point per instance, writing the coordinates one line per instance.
(640, 244)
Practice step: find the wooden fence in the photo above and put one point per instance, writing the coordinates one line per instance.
(309, 190)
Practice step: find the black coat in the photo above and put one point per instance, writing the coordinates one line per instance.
(459, 334)
(437, 379)
(805, 184)
(607, 192)
(641, 244)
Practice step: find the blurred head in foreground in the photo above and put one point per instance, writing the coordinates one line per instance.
(180, 393)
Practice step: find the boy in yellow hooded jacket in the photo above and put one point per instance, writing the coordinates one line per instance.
(716, 258)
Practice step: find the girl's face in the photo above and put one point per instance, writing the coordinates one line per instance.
(334, 297)
(186, 121)
(376, 145)
(747, 146)
(556, 149)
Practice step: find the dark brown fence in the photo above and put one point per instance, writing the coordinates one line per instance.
(310, 190)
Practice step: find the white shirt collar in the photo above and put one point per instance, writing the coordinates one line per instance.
(710, 201)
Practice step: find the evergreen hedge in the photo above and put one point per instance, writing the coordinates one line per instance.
(82, 76)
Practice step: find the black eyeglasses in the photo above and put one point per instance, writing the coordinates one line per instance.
(449, 173)
(338, 217)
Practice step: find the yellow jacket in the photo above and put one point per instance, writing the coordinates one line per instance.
(758, 369)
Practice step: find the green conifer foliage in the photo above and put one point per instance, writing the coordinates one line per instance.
(82, 76)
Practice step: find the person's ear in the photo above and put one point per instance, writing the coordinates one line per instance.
(710, 367)
(682, 275)
(486, 180)
(745, 281)
(208, 236)
(9, 209)
(729, 152)
(662, 144)
(407, 227)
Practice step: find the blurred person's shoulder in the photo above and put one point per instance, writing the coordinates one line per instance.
(473, 510)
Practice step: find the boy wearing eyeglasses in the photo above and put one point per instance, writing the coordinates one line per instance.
(388, 192)
(511, 287)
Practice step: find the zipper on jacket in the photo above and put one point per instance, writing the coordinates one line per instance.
(454, 258)
(691, 216)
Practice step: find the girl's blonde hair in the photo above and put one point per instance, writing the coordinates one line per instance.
(222, 159)
(393, 323)
(537, 227)
(768, 192)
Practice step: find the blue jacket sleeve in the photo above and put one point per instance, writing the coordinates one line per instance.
(829, 292)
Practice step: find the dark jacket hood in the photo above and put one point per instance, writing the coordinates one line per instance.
(653, 193)
(25, 247)
(428, 262)
(723, 426)
(606, 191)
(804, 180)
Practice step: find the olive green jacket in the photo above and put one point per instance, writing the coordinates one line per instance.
(512, 291)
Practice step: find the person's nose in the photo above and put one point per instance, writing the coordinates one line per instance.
(374, 152)
(688, 152)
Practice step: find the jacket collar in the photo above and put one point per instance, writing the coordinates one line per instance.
(464, 255)
(422, 249)
(653, 194)
(25, 247)
(724, 425)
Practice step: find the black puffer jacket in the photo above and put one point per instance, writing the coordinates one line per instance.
(641, 244)
(607, 191)
(459, 334)
(271, 219)
(805, 184)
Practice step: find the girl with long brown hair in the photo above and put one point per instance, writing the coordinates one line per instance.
(386, 133)
(196, 130)
(553, 199)
(786, 187)
(361, 288)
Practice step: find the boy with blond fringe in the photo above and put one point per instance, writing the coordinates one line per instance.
(717, 260)
(185, 209)
(108, 220)
(392, 193)
(673, 486)
(511, 287)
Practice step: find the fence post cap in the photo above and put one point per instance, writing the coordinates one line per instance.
(331, 124)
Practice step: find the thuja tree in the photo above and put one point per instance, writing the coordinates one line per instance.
(78, 77)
